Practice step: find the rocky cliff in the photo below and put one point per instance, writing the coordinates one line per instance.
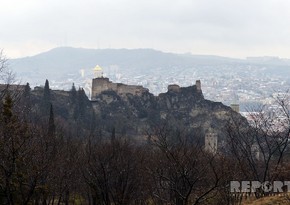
(179, 107)
(126, 114)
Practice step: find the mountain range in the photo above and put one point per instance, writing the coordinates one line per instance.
(247, 81)
(67, 60)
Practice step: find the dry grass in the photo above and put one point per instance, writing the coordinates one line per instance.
(271, 200)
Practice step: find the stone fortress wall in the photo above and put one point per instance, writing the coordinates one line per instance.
(101, 84)
(176, 88)
(104, 84)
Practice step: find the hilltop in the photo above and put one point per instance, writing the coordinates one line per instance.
(68, 62)
(249, 81)
(134, 115)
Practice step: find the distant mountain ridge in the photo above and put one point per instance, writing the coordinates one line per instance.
(67, 58)
(147, 67)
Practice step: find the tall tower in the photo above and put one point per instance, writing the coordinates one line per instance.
(256, 152)
(99, 83)
(235, 107)
(198, 85)
(235, 104)
(211, 142)
(98, 72)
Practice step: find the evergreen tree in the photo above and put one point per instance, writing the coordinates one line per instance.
(81, 106)
(46, 91)
(8, 155)
(73, 94)
(51, 125)
(14, 164)
(26, 99)
(7, 109)
(46, 98)
(76, 113)
(80, 111)
(27, 90)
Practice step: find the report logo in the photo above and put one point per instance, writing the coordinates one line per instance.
(253, 186)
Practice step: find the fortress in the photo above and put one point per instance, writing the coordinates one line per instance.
(176, 88)
(101, 84)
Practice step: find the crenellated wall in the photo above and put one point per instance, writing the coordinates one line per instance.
(104, 84)
(173, 88)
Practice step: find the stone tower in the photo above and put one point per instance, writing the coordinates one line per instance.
(211, 142)
(256, 152)
(235, 107)
(198, 85)
(99, 85)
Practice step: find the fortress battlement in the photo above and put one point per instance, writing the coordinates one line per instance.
(101, 84)
(104, 84)
(173, 88)
(176, 88)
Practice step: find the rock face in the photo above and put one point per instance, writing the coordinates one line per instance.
(179, 106)
(133, 110)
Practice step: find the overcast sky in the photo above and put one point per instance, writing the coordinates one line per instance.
(233, 28)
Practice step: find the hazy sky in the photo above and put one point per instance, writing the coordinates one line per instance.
(234, 28)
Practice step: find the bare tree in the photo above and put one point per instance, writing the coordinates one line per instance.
(182, 172)
(7, 77)
(260, 148)
(3, 61)
(6, 74)
(16, 184)
(112, 172)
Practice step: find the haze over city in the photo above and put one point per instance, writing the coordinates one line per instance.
(229, 28)
(145, 102)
